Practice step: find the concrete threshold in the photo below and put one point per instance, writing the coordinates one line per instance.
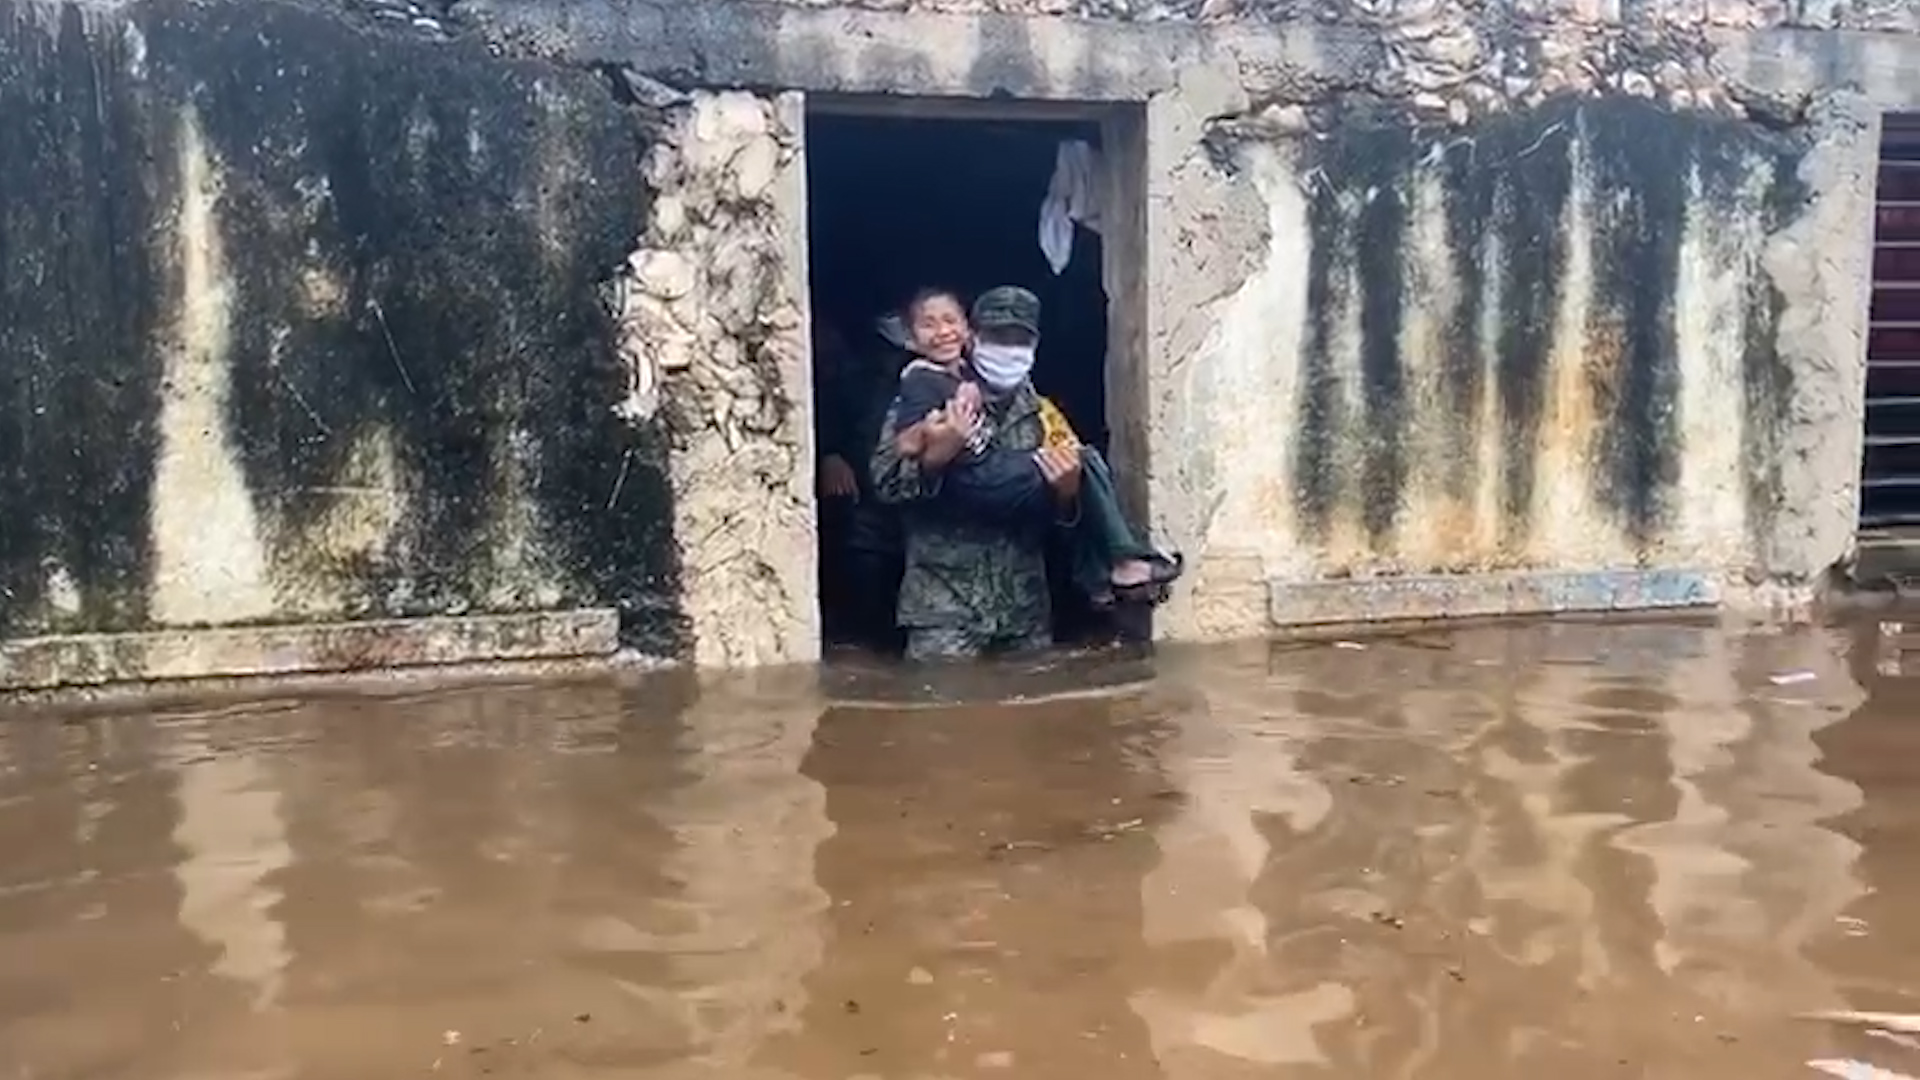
(1465, 596)
(95, 660)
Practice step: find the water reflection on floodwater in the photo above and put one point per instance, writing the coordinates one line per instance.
(1577, 849)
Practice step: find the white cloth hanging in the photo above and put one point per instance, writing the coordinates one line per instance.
(1072, 196)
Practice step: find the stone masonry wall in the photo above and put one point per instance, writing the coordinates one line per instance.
(712, 334)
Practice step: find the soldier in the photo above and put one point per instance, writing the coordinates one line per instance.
(971, 587)
(1111, 560)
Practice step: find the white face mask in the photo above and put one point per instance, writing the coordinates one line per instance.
(1002, 367)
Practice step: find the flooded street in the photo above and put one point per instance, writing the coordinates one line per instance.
(1578, 850)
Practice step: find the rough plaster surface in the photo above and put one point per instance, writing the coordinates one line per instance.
(712, 329)
(1819, 265)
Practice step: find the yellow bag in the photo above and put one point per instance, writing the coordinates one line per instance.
(1055, 431)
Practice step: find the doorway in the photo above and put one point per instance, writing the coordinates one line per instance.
(900, 199)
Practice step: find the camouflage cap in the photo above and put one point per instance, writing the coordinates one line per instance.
(1007, 306)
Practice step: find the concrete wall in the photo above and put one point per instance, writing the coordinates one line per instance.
(304, 324)
(328, 312)
(1586, 336)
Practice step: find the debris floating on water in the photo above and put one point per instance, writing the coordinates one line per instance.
(1791, 678)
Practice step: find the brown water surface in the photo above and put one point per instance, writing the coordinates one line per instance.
(1571, 850)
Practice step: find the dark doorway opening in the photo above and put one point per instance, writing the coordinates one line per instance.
(898, 203)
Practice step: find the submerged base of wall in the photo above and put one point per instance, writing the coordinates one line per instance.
(1317, 603)
(102, 659)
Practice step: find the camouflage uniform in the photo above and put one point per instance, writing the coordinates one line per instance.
(970, 588)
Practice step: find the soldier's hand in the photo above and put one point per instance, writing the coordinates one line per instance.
(964, 410)
(1060, 465)
(945, 438)
(912, 442)
(836, 478)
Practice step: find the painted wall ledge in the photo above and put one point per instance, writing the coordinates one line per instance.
(79, 660)
(1456, 596)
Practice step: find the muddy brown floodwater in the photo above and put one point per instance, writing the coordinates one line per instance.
(1566, 850)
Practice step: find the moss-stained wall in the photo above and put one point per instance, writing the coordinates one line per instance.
(302, 321)
(1550, 340)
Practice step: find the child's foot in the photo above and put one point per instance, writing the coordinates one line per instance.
(1146, 581)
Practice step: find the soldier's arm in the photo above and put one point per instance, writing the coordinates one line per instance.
(898, 477)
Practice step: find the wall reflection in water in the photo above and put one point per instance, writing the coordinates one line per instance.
(1497, 852)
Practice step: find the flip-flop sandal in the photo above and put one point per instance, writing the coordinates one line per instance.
(1162, 570)
(1167, 568)
(1149, 593)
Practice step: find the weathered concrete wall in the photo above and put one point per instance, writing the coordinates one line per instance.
(1567, 338)
(304, 322)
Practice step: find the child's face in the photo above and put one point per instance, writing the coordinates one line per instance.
(940, 331)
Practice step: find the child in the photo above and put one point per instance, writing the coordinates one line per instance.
(1111, 563)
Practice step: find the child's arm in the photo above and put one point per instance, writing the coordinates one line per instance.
(898, 477)
(918, 441)
(922, 391)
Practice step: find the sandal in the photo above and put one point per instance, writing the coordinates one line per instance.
(1164, 570)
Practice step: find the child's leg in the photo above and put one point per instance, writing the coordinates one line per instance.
(1111, 554)
(1103, 540)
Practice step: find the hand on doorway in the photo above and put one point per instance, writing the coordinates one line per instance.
(836, 478)
(1060, 465)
